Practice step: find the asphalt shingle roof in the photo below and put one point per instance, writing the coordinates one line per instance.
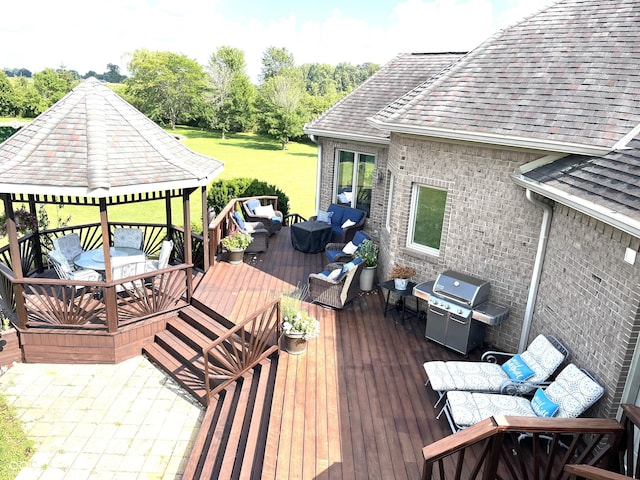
(568, 75)
(349, 116)
(611, 181)
(94, 143)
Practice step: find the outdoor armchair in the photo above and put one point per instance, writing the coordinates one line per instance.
(568, 396)
(257, 231)
(69, 246)
(65, 272)
(163, 259)
(339, 252)
(542, 357)
(124, 267)
(270, 218)
(337, 285)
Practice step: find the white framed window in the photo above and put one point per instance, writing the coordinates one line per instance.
(391, 179)
(354, 179)
(427, 218)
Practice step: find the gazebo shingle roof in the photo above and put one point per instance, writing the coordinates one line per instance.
(93, 143)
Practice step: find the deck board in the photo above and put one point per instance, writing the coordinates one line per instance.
(354, 405)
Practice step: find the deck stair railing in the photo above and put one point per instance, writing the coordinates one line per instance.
(241, 348)
(523, 448)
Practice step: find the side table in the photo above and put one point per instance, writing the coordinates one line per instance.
(389, 286)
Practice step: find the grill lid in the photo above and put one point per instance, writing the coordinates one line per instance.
(461, 288)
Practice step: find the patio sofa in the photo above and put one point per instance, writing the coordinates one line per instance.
(344, 221)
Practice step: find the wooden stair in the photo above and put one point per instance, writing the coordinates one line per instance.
(232, 437)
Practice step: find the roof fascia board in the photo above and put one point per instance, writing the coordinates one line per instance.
(353, 137)
(605, 215)
(493, 139)
(104, 192)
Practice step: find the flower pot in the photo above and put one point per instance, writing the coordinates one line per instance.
(401, 283)
(235, 256)
(367, 277)
(294, 343)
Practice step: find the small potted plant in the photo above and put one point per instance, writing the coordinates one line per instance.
(368, 252)
(401, 275)
(235, 244)
(297, 325)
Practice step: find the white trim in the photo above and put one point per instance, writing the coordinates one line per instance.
(354, 137)
(318, 173)
(493, 139)
(604, 214)
(412, 220)
(622, 144)
(354, 176)
(105, 192)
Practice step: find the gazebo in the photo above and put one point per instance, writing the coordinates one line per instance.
(92, 148)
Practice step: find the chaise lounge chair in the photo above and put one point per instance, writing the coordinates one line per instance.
(541, 358)
(568, 396)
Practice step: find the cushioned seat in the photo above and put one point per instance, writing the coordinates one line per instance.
(344, 221)
(543, 357)
(255, 211)
(257, 231)
(337, 284)
(568, 396)
(339, 252)
(69, 246)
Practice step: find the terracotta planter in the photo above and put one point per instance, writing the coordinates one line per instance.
(367, 277)
(294, 343)
(235, 256)
(401, 283)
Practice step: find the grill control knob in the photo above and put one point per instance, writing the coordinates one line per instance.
(447, 307)
(459, 311)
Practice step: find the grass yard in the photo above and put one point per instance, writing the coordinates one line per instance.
(244, 155)
(15, 447)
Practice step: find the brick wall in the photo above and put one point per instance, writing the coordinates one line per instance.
(590, 298)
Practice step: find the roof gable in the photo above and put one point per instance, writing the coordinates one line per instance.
(348, 117)
(566, 76)
(94, 143)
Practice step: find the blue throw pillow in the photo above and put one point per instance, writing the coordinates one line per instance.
(542, 406)
(336, 214)
(517, 369)
(324, 217)
(252, 204)
(239, 220)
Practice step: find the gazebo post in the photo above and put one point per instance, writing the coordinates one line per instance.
(109, 292)
(16, 261)
(205, 228)
(37, 246)
(188, 251)
(168, 214)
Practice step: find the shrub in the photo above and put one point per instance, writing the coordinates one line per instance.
(222, 192)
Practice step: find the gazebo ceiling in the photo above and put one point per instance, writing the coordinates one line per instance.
(92, 143)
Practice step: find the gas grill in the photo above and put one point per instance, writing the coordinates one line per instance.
(459, 310)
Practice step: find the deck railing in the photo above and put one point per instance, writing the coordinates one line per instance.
(95, 305)
(523, 448)
(241, 348)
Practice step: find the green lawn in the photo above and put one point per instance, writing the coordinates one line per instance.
(244, 155)
(15, 447)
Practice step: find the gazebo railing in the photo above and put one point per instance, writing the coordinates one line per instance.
(55, 302)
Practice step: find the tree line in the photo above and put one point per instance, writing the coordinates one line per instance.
(172, 89)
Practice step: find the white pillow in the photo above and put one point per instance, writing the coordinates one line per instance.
(264, 211)
(335, 274)
(350, 248)
(248, 228)
(348, 223)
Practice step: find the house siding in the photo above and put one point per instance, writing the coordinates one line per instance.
(590, 298)
(490, 230)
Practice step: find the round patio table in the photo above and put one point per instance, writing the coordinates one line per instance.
(310, 236)
(94, 259)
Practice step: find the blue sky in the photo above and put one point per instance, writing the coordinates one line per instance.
(86, 35)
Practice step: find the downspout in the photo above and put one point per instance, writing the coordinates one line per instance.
(537, 268)
(318, 170)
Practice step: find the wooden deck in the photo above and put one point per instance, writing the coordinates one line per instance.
(354, 405)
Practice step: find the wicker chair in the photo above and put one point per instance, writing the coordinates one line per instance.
(334, 251)
(272, 223)
(259, 234)
(336, 293)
